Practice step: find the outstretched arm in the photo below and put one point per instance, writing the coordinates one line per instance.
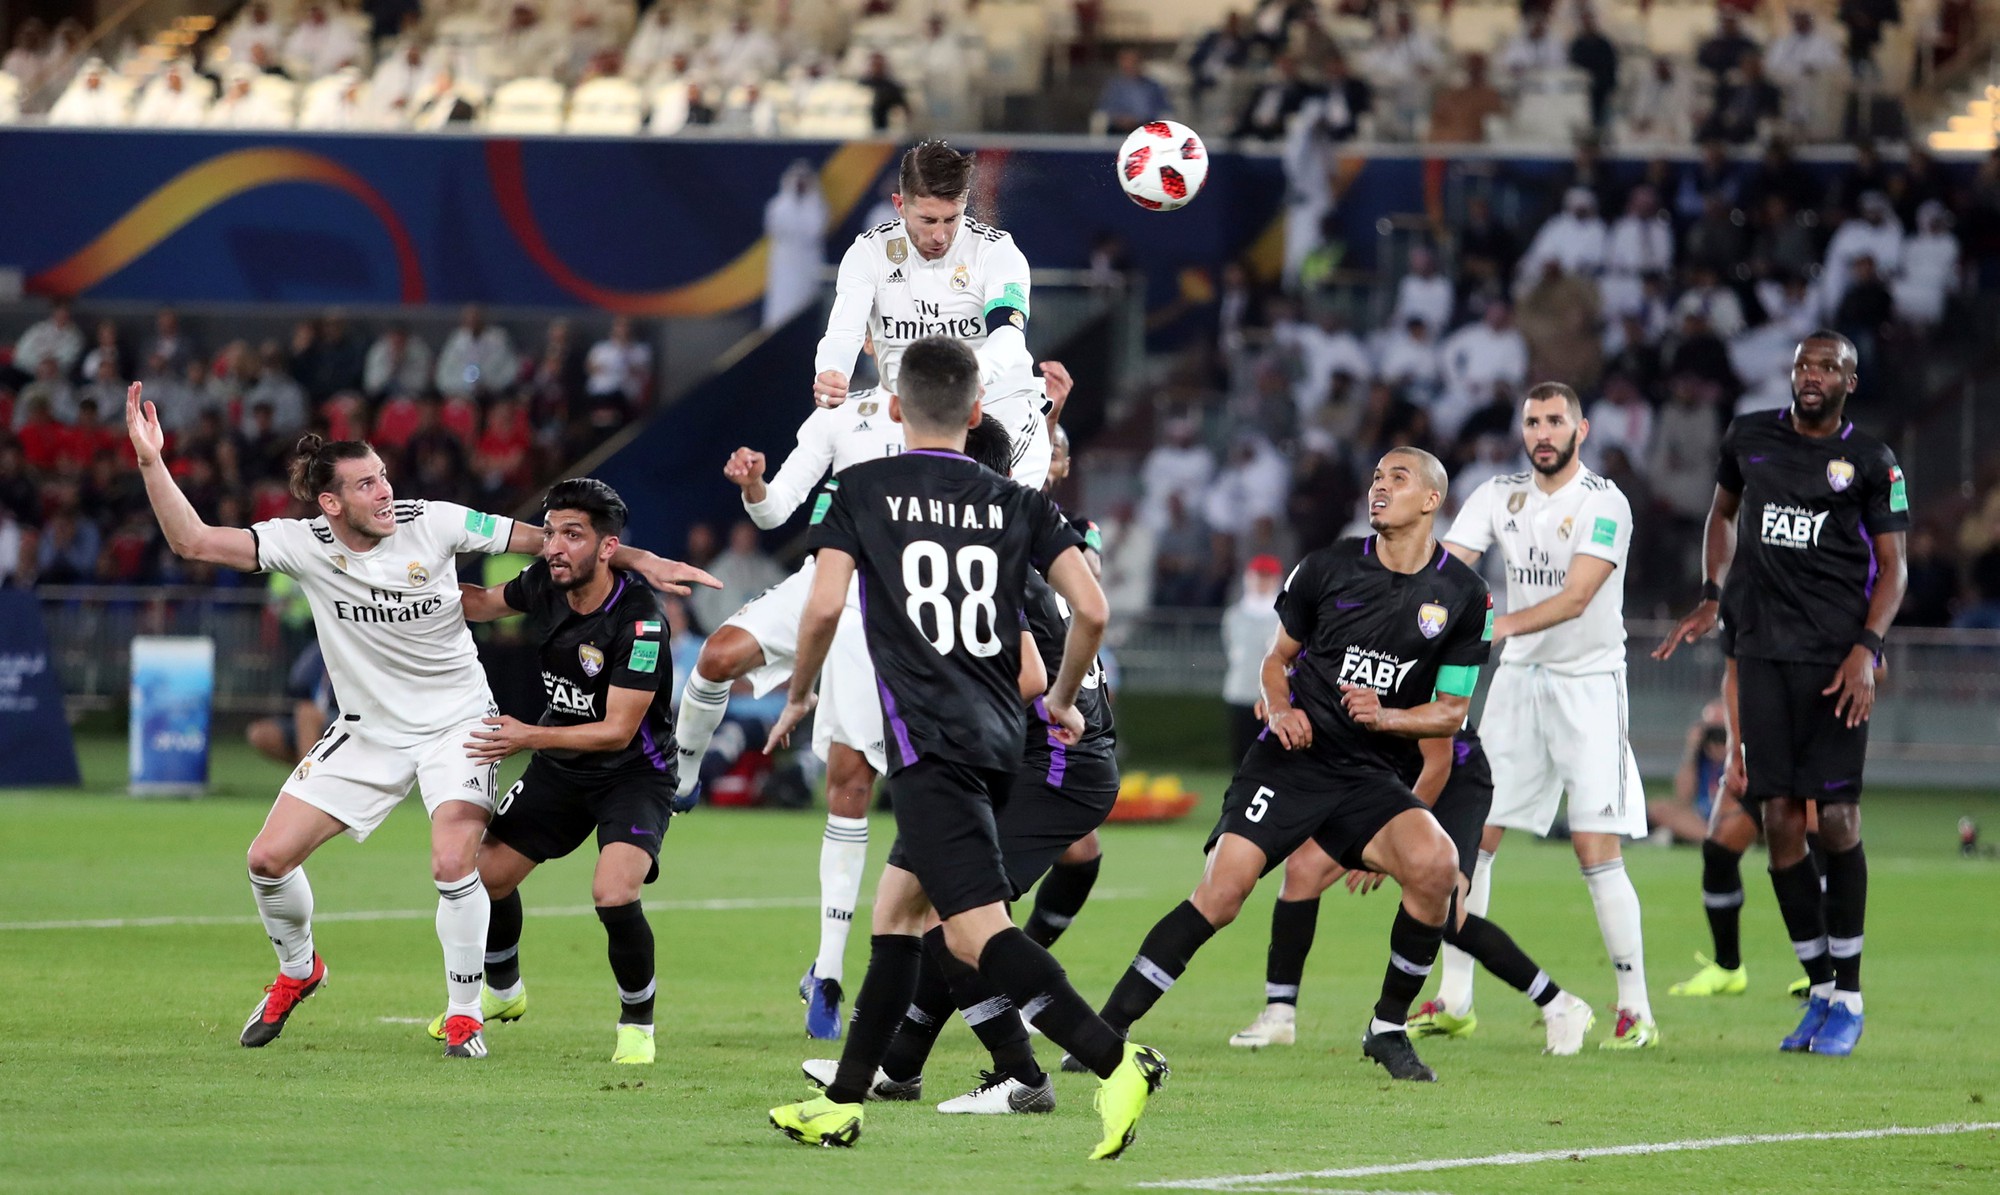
(187, 535)
(484, 603)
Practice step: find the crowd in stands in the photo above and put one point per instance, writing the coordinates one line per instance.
(1670, 297)
(553, 65)
(476, 419)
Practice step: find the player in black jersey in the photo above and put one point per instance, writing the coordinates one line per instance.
(1805, 564)
(1379, 644)
(944, 548)
(604, 751)
(1457, 783)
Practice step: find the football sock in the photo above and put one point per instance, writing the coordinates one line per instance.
(1817, 850)
(1033, 979)
(843, 856)
(1846, 905)
(285, 905)
(1162, 957)
(893, 963)
(1455, 988)
(992, 1017)
(629, 944)
(462, 916)
(1722, 896)
(703, 702)
(930, 1005)
(1803, 908)
(1060, 898)
(1617, 904)
(1293, 923)
(1497, 952)
(503, 945)
(1413, 950)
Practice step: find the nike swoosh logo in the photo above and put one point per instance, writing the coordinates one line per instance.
(1348, 605)
(643, 833)
(1758, 459)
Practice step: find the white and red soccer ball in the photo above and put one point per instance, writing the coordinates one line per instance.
(1162, 165)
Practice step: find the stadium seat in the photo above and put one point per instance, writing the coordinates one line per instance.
(607, 106)
(835, 108)
(279, 94)
(10, 98)
(533, 105)
(1676, 30)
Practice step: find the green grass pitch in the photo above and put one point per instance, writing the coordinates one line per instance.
(119, 1068)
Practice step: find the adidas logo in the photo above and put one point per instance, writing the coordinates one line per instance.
(475, 784)
(1607, 811)
(896, 275)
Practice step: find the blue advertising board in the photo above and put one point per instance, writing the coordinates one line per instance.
(173, 691)
(35, 745)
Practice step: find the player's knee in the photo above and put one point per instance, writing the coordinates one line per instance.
(849, 797)
(452, 861)
(1220, 899)
(727, 655)
(1083, 850)
(1839, 827)
(608, 892)
(1433, 871)
(266, 861)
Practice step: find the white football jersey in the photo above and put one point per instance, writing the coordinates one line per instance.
(889, 291)
(1538, 534)
(389, 619)
(831, 439)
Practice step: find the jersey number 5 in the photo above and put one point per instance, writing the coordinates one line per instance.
(926, 573)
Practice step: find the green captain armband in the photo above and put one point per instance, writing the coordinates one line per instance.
(1458, 680)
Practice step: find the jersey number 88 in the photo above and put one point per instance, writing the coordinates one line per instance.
(926, 573)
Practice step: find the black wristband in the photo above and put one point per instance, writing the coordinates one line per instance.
(1871, 641)
(1711, 592)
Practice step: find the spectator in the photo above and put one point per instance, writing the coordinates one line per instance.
(1423, 292)
(1621, 420)
(18, 491)
(1714, 300)
(1180, 558)
(1874, 234)
(500, 457)
(555, 386)
(397, 364)
(1272, 105)
(1712, 174)
(254, 34)
(619, 367)
(1699, 351)
(889, 96)
(167, 389)
(1630, 353)
(1929, 273)
(169, 341)
(1459, 113)
(340, 363)
(1129, 552)
(1782, 245)
(1574, 238)
(1247, 630)
(1866, 309)
(477, 358)
(28, 63)
(1336, 111)
(1404, 65)
(659, 39)
(1560, 321)
(1725, 51)
(1865, 20)
(1592, 53)
(1684, 818)
(1984, 612)
(90, 99)
(42, 440)
(56, 337)
(1317, 353)
(1217, 57)
(1179, 467)
(69, 549)
(1715, 242)
(175, 99)
(795, 222)
(1661, 106)
(1480, 360)
(1681, 468)
(104, 348)
(1410, 360)
(1743, 104)
(320, 45)
(278, 390)
(15, 572)
(1129, 98)
(1534, 50)
(243, 106)
(527, 46)
(1805, 61)
(1779, 173)
(1640, 243)
(742, 53)
(1487, 252)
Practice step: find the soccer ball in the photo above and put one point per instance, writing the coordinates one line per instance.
(1162, 165)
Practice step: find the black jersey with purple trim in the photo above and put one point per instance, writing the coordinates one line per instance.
(1405, 635)
(1048, 622)
(1804, 571)
(944, 547)
(622, 645)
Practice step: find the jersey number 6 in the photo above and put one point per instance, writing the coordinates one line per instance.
(926, 573)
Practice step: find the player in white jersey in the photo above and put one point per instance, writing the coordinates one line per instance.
(380, 577)
(934, 272)
(1556, 714)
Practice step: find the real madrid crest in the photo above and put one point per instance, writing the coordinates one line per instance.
(1839, 475)
(1515, 501)
(898, 250)
(591, 659)
(419, 575)
(960, 278)
(1430, 619)
(305, 767)
(1563, 531)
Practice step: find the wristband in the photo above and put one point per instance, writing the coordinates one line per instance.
(1871, 641)
(1711, 592)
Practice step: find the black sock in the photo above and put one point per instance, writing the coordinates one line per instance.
(1293, 923)
(629, 943)
(1161, 959)
(503, 942)
(1846, 906)
(991, 1016)
(1413, 949)
(1034, 981)
(1059, 899)
(1722, 896)
(1495, 951)
(893, 963)
(1803, 908)
(1817, 849)
(925, 1018)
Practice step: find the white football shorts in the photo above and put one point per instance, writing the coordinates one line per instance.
(1546, 733)
(359, 781)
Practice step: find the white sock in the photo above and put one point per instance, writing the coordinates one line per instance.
(843, 857)
(703, 703)
(1455, 988)
(286, 905)
(1617, 904)
(463, 912)
(1851, 1001)
(1378, 1025)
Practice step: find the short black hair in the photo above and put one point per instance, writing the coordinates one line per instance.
(938, 381)
(990, 445)
(1544, 391)
(934, 170)
(606, 509)
(1847, 348)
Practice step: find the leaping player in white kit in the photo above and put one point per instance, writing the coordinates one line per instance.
(973, 287)
(1556, 713)
(380, 576)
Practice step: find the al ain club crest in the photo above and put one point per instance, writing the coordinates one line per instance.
(1839, 475)
(1430, 619)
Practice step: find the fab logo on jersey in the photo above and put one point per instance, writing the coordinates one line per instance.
(1839, 475)
(1430, 619)
(566, 698)
(1379, 670)
(1792, 527)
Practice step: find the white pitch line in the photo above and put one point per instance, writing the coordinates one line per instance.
(1262, 1182)
(715, 905)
